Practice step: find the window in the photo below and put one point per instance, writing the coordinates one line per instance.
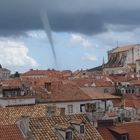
(84, 73)
(133, 91)
(51, 110)
(70, 109)
(98, 104)
(122, 91)
(82, 129)
(105, 90)
(48, 86)
(119, 84)
(82, 108)
(69, 135)
(124, 137)
(12, 93)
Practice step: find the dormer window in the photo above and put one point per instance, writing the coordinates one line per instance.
(119, 133)
(69, 135)
(78, 125)
(124, 137)
(82, 129)
(64, 131)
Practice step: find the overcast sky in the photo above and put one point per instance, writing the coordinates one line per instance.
(82, 30)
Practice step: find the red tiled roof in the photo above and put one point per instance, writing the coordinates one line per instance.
(106, 134)
(9, 115)
(136, 82)
(132, 128)
(128, 103)
(44, 128)
(67, 72)
(103, 83)
(118, 78)
(119, 130)
(82, 82)
(130, 96)
(62, 91)
(10, 83)
(89, 82)
(66, 90)
(40, 72)
(97, 95)
(10, 132)
(39, 81)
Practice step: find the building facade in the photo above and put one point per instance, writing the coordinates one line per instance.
(122, 59)
(4, 73)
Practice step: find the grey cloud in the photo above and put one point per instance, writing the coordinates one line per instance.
(81, 16)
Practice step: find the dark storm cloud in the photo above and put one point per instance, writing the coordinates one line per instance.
(82, 16)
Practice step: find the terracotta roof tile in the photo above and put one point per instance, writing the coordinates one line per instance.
(97, 95)
(103, 83)
(9, 115)
(44, 128)
(41, 72)
(62, 91)
(10, 132)
(106, 134)
(82, 82)
(128, 103)
(67, 90)
(136, 82)
(118, 78)
(10, 83)
(119, 130)
(132, 128)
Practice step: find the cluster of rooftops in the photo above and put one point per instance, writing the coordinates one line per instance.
(66, 105)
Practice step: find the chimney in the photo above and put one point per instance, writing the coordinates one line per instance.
(48, 86)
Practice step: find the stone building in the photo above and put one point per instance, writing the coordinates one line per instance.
(4, 73)
(138, 65)
(122, 60)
